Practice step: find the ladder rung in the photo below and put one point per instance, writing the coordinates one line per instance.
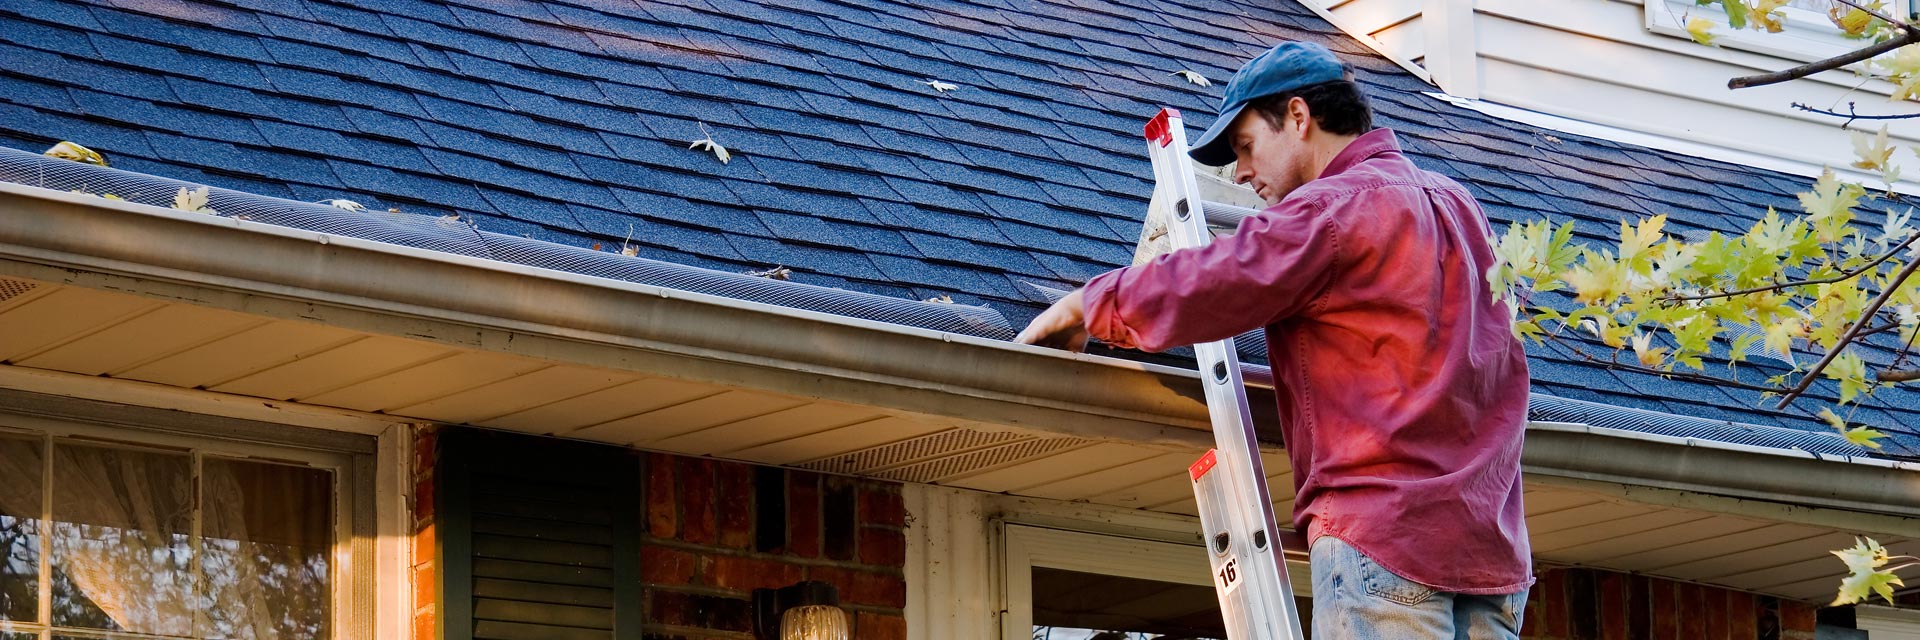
(1219, 214)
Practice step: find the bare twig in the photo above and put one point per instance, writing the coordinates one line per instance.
(1893, 286)
(1844, 275)
(1828, 64)
(1852, 115)
(1906, 375)
(1695, 377)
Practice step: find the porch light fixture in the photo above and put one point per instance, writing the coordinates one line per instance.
(806, 611)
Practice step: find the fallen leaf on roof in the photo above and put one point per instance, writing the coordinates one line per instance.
(940, 300)
(776, 273)
(348, 205)
(630, 250)
(67, 150)
(393, 210)
(1552, 139)
(596, 246)
(939, 86)
(1193, 77)
(194, 201)
(708, 144)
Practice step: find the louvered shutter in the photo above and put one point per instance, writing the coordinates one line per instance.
(538, 538)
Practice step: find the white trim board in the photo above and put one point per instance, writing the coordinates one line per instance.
(1664, 143)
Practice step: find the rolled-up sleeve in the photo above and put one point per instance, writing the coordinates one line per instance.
(1272, 267)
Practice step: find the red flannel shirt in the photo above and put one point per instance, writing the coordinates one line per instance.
(1403, 392)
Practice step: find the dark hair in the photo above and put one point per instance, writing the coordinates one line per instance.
(1338, 107)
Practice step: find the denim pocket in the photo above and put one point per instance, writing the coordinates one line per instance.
(1387, 585)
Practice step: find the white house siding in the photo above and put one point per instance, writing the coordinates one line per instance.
(1615, 63)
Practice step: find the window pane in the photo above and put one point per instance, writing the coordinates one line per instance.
(122, 522)
(266, 533)
(1071, 605)
(22, 477)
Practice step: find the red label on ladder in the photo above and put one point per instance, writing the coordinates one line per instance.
(1203, 465)
(1158, 130)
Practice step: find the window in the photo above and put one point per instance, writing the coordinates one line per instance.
(109, 532)
(1070, 585)
(1809, 35)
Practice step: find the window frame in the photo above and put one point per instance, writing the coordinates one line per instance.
(1808, 35)
(349, 457)
(1025, 546)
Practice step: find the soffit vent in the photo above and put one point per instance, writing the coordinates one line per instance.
(953, 467)
(10, 288)
(910, 451)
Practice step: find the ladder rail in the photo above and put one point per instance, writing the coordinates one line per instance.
(1230, 487)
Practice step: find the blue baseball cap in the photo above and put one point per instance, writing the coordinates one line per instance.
(1289, 66)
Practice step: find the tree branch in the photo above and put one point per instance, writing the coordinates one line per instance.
(1907, 375)
(1852, 115)
(1802, 71)
(1802, 283)
(1866, 316)
(1695, 377)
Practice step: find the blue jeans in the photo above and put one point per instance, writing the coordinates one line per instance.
(1355, 598)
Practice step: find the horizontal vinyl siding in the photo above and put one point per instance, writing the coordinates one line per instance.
(1595, 60)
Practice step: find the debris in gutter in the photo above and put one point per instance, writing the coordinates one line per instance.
(67, 150)
(776, 273)
(347, 205)
(194, 201)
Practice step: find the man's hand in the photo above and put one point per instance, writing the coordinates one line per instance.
(1061, 326)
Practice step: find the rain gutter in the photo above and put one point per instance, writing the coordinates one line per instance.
(469, 302)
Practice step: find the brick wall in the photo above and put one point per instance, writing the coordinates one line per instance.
(717, 530)
(425, 454)
(1587, 604)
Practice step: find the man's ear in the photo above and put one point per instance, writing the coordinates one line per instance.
(1299, 115)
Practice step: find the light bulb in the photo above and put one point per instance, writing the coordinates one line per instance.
(814, 622)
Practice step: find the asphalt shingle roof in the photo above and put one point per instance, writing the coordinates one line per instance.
(569, 120)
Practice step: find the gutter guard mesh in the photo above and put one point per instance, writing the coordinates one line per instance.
(457, 236)
(1546, 408)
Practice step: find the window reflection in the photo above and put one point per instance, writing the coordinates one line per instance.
(21, 490)
(264, 555)
(124, 557)
(121, 540)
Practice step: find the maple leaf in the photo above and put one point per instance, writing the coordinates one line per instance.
(67, 150)
(707, 143)
(194, 201)
(1895, 229)
(1763, 15)
(1831, 197)
(1700, 29)
(1903, 69)
(1193, 77)
(1851, 372)
(1649, 355)
(1850, 20)
(939, 86)
(1873, 152)
(718, 150)
(1865, 578)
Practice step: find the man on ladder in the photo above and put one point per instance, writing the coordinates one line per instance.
(1402, 389)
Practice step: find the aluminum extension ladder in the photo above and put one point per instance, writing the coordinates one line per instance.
(1229, 482)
